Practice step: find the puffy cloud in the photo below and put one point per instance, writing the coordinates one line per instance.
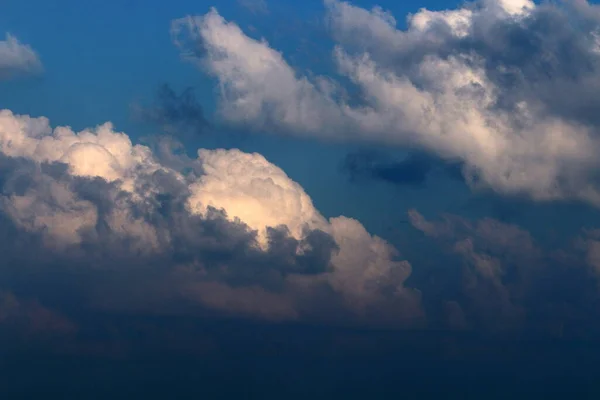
(228, 230)
(101, 152)
(257, 192)
(365, 272)
(503, 86)
(509, 282)
(17, 58)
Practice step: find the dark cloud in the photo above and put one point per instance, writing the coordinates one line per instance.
(30, 318)
(175, 114)
(413, 170)
(510, 282)
(196, 250)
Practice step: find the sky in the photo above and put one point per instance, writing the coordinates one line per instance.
(259, 198)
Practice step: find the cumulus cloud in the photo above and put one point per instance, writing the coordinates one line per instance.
(228, 230)
(509, 282)
(505, 87)
(17, 58)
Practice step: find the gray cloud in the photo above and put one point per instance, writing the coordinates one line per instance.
(413, 170)
(174, 114)
(211, 248)
(511, 283)
(17, 59)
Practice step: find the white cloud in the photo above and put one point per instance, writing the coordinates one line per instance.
(419, 89)
(256, 83)
(100, 152)
(255, 6)
(515, 7)
(17, 58)
(252, 189)
(51, 208)
(365, 269)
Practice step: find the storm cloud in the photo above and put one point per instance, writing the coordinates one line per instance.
(239, 237)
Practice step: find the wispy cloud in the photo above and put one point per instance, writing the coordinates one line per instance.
(255, 6)
(17, 59)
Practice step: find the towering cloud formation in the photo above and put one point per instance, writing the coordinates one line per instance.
(504, 86)
(17, 58)
(235, 233)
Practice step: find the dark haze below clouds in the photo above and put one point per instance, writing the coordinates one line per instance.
(130, 356)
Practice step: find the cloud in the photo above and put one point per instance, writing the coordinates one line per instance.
(228, 231)
(494, 85)
(253, 190)
(17, 59)
(31, 318)
(413, 170)
(509, 282)
(175, 114)
(255, 6)
(257, 85)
